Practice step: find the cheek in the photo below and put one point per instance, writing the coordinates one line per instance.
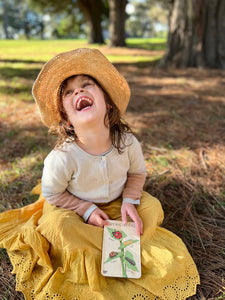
(67, 104)
(102, 101)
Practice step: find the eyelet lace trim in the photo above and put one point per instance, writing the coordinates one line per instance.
(30, 276)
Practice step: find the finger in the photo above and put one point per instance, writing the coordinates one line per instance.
(137, 220)
(102, 219)
(104, 215)
(141, 226)
(102, 222)
(98, 221)
(138, 227)
(124, 216)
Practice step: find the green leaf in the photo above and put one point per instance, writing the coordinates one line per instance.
(115, 234)
(112, 258)
(127, 243)
(130, 262)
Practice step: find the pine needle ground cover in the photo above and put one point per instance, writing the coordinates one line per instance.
(179, 117)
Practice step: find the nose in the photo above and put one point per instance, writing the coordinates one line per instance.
(78, 91)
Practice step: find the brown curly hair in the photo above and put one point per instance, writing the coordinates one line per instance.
(113, 120)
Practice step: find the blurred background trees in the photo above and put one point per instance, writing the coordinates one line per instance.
(19, 20)
(95, 20)
(195, 29)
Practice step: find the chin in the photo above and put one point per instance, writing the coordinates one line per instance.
(91, 120)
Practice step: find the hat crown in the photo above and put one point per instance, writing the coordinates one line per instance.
(84, 61)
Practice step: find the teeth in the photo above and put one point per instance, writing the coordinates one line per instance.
(86, 99)
(78, 104)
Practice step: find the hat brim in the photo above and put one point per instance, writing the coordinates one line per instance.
(76, 62)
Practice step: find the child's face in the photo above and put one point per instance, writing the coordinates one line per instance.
(83, 101)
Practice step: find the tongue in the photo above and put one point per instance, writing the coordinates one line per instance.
(83, 104)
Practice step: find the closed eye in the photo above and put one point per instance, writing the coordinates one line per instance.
(87, 83)
(69, 92)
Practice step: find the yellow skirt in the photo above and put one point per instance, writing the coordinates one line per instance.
(55, 255)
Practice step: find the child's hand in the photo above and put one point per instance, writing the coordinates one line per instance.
(130, 210)
(98, 218)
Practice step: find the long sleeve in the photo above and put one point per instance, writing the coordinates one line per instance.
(134, 186)
(69, 201)
(136, 174)
(57, 173)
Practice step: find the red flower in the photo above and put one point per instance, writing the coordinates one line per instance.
(117, 234)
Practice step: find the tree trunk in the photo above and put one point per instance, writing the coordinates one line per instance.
(196, 34)
(92, 10)
(27, 29)
(5, 20)
(42, 28)
(117, 18)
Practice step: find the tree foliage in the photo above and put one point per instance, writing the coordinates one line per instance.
(66, 18)
(71, 16)
(147, 17)
(17, 18)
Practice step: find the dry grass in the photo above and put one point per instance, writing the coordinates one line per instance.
(179, 116)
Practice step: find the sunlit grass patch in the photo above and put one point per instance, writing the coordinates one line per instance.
(132, 58)
(10, 71)
(37, 50)
(161, 160)
(22, 51)
(147, 43)
(19, 177)
(19, 141)
(15, 86)
(20, 166)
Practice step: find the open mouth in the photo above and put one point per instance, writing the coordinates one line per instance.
(83, 103)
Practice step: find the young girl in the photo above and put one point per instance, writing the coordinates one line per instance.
(95, 173)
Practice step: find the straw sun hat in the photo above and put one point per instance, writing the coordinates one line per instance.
(90, 62)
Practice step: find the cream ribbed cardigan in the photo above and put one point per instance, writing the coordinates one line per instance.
(76, 180)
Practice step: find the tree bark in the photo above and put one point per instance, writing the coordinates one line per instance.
(117, 18)
(196, 34)
(92, 10)
(5, 20)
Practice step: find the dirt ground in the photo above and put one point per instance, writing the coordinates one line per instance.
(179, 117)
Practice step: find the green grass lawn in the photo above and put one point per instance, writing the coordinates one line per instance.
(43, 50)
(147, 43)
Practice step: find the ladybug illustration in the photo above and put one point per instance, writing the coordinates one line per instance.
(113, 254)
(117, 234)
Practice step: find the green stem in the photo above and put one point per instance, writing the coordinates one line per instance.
(122, 262)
